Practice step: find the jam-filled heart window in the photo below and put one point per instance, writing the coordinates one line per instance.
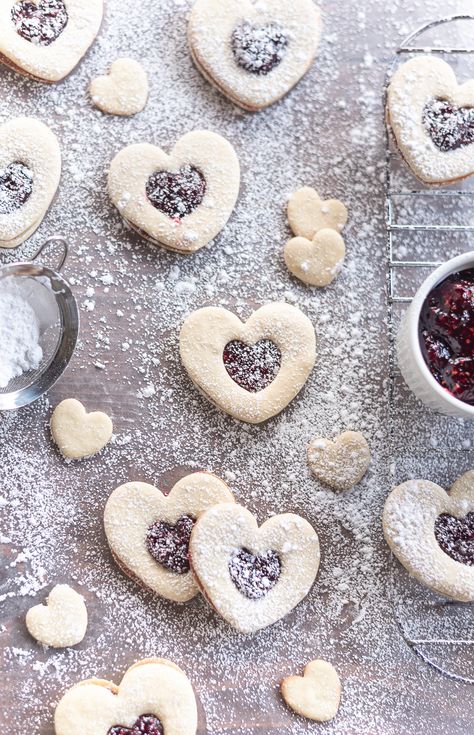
(41, 22)
(450, 127)
(253, 367)
(456, 537)
(146, 724)
(259, 49)
(16, 187)
(176, 194)
(254, 575)
(169, 544)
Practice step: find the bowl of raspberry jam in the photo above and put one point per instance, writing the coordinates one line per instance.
(435, 345)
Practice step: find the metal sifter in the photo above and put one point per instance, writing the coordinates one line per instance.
(56, 309)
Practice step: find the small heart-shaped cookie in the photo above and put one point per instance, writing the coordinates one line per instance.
(254, 53)
(149, 532)
(46, 39)
(317, 694)
(154, 697)
(431, 532)
(30, 168)
(253, 576)
(124, 91)
(316, 262)
(308, 213)
(252, 370)
(77, 433)
(181, 200)
(62, 622)
(340, 463)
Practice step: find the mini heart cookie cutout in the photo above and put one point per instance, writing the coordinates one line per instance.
(181, 200)
(250, 370)
(62, 622)
(316, 262)
(253, 576)
(154, 697)
(254, 53)
(339, 463)
(77, 433)
(308, 213)
(30, 169)
(317, 694)
(431, 532)
(46, 39)
(432, 119)
(148, 532)
(123, 91)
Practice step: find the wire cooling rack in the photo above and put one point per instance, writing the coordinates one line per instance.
(427, 221)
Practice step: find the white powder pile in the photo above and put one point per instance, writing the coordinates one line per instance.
(19, 333)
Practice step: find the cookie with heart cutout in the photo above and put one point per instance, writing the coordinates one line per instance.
(308, 213)
(77, 433)
(253, 576)
(181, 200)
(339, 463)
(148, 532)
(30, 169)
(431, 532)
(155, 697)
(123, 91)
(315, 695)
(432, 119)
(250, 370)
(254, 53)
(62, 622)
(316, 262)
(46, 39)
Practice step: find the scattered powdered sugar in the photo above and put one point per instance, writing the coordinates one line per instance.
(20, 348)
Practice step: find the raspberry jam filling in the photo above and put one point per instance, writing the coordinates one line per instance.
(258, 50)
(16, 186)
(169, 544)
(447, 334)
(176, 194)
(40, 23)
(148, 724)
(254, 575)
(450, 127)
(456, 537)
(253, 367)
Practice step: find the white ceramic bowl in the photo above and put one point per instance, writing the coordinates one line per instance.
(412, 365)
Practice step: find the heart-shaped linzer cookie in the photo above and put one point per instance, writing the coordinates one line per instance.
(30, 168)
(432, 118)
(62, 622)
(316, 262)
(149, 532)
(342, 462)
(46, 39)
(154, 697)
(254, 53)
(250, 370)
(253, 576)
(317, 694)
(77, 433)
(308, 213)
(181, 200)
(123, 91)
(431, 532)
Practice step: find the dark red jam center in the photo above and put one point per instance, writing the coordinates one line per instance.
(447, 334)
(450, 127)
(148, 724)
(169, 544)
(40, 23)
(176, 194)
(253, 367)
(456, 537)
(16, 185)
(258, 49)
(254, 575)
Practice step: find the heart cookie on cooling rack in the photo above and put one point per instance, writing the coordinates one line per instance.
(431, 532)
(154, 697)
(30, 168)
(149, 532)
(432, 119)
(62, 622)
(250, 370)
(253, 576)
(181, 200)
(254, 53)
(46, 39)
